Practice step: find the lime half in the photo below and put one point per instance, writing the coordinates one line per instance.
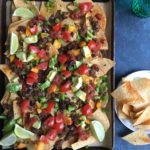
(8, 140)
(23, 133)
(14, 43)
(31, 39)
(97, 130)
(23, 12)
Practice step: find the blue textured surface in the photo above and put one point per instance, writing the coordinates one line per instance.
(132, 54)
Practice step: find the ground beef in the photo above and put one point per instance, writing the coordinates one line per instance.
(95, 25)
(60, 16)
(21, 29)
(69, 46)
(58, 145)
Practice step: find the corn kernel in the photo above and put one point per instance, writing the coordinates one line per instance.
(40, 146)
(75, 52)
(28, 32)
(35, 70)
(87, 121)
(62, 67)
(57, 44)
(39, 111)
(72, 29)
(82, 44)
(99, 105)
(38, 105)
(11, 58)
(21, 146)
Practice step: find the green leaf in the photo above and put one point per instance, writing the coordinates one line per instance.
(71, 108)
(44, 85)
(13, 87)
(53, 62)
(63, 96)
(42, 99)
(9, 126)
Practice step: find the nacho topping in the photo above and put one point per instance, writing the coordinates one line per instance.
(60, 74)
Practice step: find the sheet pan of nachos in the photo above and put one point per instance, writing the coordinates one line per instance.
(58, 72)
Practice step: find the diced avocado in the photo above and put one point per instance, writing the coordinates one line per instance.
(21, 55)
(86, 52)
(77, 85)
(31, 39)
(78, 64)
(37, 124)
(82, 95)
(51, 75)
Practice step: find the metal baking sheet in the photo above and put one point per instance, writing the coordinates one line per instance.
(5, 17)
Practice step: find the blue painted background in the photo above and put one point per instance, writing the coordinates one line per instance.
(132, 54)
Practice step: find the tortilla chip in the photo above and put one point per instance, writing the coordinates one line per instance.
(21, 3)
(102, 117)
(126, 109)
(103, 64)
(98, 9)
(145, 116)
(52, 50)
(138, 137)
(81, 144)
(7, 71)
(143, 127)
(138, 113)
(67, 144)
(16, 110)
(102, 39)
(140, 106)
(126, 94)
(5, 98)
(121, 115)
(142, 85)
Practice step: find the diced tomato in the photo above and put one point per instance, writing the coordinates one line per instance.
(85, 7)
(66, 36)
(32, 78)
(76, 15)
(87, 110)
(58, 126)
(49, 121)
(30, 81)
(57, 80)
(98, 16)
(60, 117)
(66, 73)
(62, 58)
(57, 27)
(33, 49)
(43, 66)
(55, 35)
(18, 63)
(51, 135)
(33, 75)
(42, 54)
(92, 45)
(65, 87)
(34, 29)
(90, 96)
(52, 88)
(44, 139)
(30, 122)
(83, 69)
(49, 108)
(24, 105)
(41, 18)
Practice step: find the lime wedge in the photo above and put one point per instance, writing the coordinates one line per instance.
(31, 39)
(8, 140)
(14, 43)
(98, 130)
(23, 12)
(23, 133)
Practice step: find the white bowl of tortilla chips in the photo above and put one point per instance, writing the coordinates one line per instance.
(132, 104)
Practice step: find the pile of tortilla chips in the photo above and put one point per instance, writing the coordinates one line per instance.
(133, 101)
